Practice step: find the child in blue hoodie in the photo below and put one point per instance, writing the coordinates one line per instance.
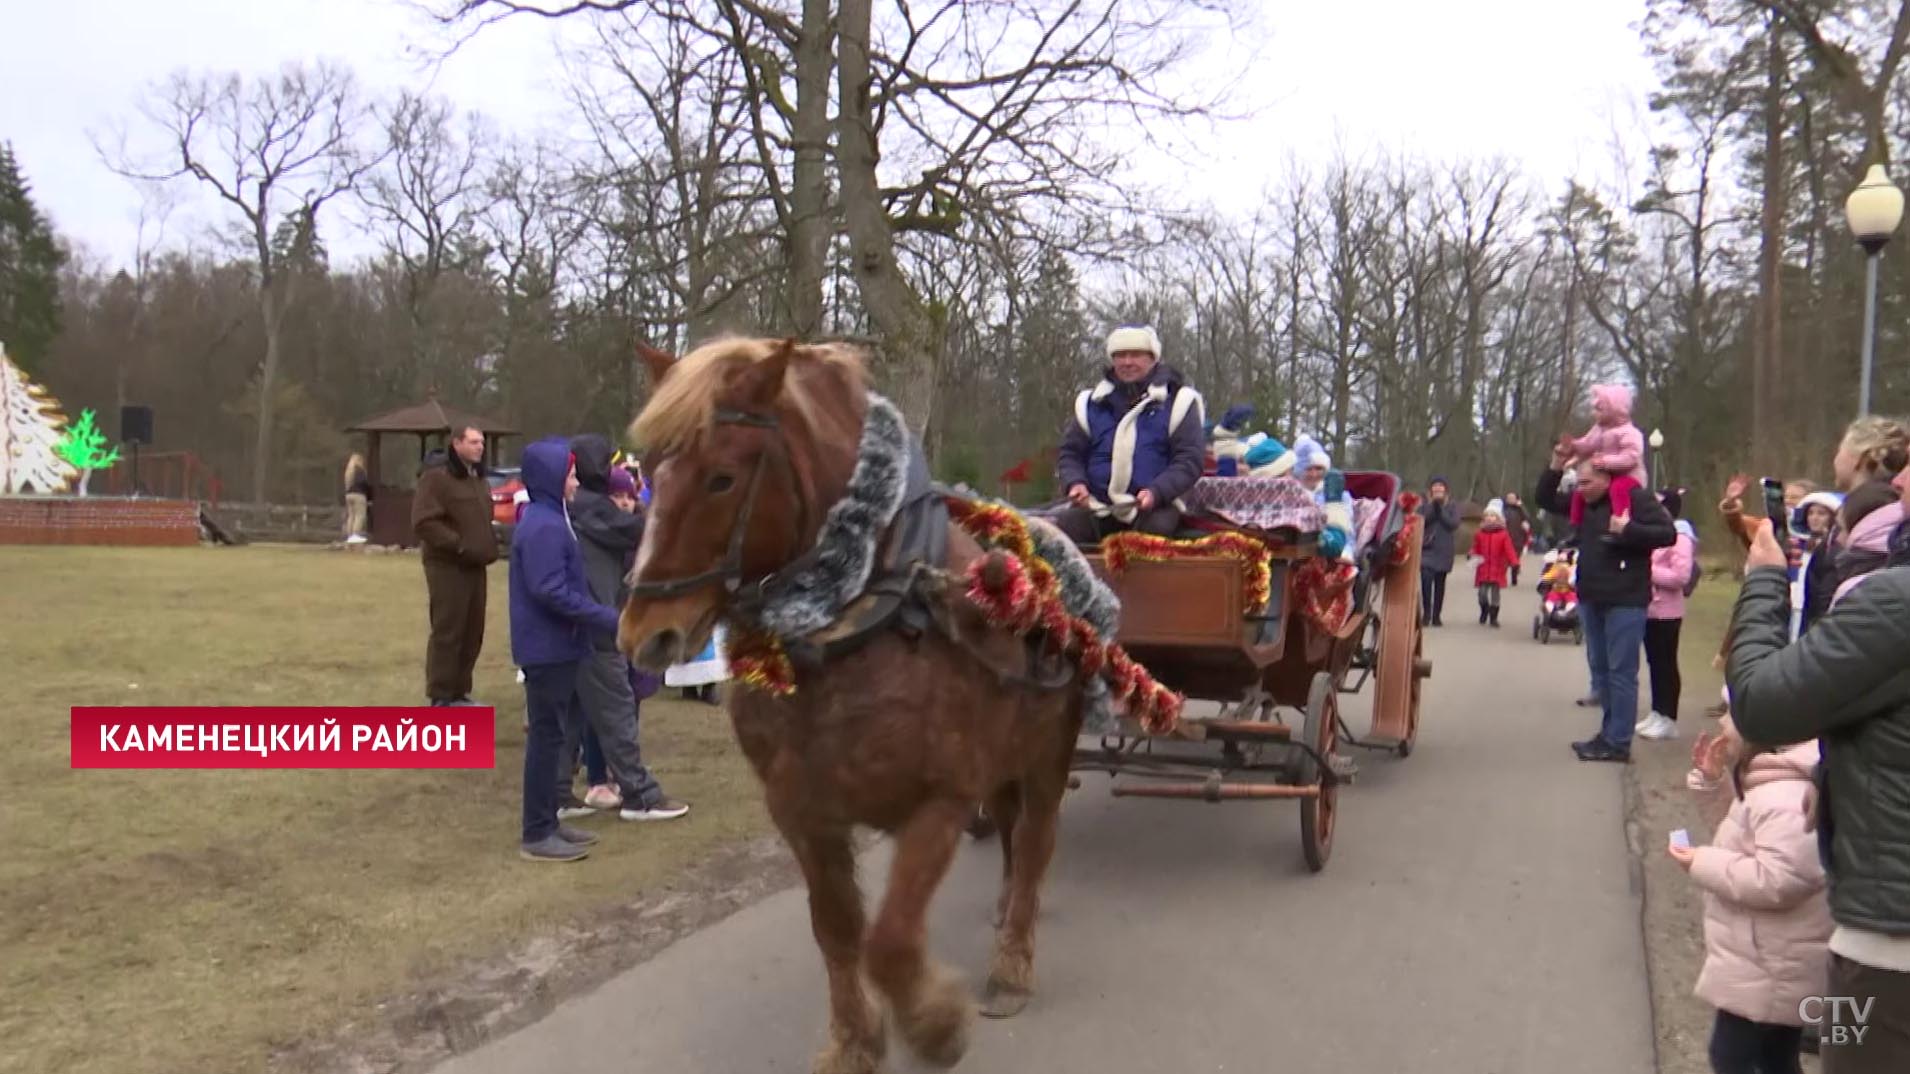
(552, 615)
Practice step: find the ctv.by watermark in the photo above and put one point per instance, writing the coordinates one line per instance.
(1840, 1020)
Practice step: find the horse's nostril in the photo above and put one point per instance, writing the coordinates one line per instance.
(662, 650)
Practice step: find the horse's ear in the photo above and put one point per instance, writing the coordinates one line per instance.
(659, 363)
(762, 383)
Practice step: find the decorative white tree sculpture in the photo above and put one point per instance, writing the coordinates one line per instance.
(31, 429)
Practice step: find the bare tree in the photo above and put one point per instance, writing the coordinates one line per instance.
(275, 151)
(988, 104)
(424, 201)
(1844, 39)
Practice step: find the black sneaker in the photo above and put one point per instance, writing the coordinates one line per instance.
(552, 848)
(664, 808)
(1600, 750)
(573, 806)
(576, 836)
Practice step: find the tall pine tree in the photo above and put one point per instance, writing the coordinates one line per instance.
(30, 260)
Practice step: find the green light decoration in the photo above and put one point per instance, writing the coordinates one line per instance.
(84, 446)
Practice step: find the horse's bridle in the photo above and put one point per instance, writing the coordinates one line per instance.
(729, 572)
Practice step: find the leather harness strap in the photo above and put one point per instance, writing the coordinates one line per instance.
(906, 591)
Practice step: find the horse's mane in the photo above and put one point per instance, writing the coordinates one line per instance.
(682, 409)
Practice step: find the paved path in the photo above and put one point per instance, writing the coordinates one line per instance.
(1478, 916)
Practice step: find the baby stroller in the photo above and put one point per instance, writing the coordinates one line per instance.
(1558, 599)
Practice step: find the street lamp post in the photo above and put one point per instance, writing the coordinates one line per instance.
(1657, 442)
(1873, 211)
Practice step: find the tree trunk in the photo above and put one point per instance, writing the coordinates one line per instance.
(1766, 344)
(270, 314)
(909, 342)
(1568, 360)
(809, 190)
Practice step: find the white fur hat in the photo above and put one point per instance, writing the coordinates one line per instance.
(1310, 454)
(1134, 338)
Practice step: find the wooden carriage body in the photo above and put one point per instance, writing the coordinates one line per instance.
(1183, 619)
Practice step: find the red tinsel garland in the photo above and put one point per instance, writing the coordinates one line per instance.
(1407, 540)
(757, 659)
(1118, 549)
(1323, 592)
(1027, 597)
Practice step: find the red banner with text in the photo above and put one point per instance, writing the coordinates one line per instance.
(284, 737)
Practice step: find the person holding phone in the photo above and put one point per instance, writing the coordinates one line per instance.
(1615, 546)
(1843, 682)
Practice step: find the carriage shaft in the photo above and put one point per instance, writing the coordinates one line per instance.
(1215, 792)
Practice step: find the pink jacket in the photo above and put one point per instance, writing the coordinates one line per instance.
(1670, 571)
(1619, 447)
(1767, 920)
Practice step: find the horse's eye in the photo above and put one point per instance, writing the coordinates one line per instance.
(721, 483)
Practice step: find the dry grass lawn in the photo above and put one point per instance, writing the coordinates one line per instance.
(198, 920)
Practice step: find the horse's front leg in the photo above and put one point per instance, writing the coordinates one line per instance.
(1011, 980)
(835, 913)
(1004, 808)
(931, 1005)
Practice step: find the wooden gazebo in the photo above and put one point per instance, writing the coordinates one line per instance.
(428, 421)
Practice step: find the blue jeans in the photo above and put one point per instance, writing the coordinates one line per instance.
(1614, 637)
(550, 699)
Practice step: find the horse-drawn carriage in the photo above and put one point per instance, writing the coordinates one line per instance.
(1260, 627)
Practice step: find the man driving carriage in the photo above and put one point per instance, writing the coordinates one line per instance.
(1134, 445)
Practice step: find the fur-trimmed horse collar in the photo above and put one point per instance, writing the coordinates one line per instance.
(890, 472)
(813, 591)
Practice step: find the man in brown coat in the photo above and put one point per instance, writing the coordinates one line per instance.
(451, 516)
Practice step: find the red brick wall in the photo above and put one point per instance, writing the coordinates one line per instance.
(98, 520)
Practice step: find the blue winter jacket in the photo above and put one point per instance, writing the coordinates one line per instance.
(1165, 460)
(552, 613)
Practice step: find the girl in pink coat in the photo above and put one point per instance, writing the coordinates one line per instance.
(1767, 921)
(1613, 444)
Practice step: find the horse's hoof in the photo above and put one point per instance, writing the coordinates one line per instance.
(1001, 1001)
(849, 1057)
(937, 1029)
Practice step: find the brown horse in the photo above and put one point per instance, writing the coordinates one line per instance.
(751, 442)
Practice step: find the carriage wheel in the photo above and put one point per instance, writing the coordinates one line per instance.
(1405, 747)
(1397, 661)
(1321, 731)
(1536, 620)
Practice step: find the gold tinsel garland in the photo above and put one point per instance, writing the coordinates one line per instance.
(1121, 548)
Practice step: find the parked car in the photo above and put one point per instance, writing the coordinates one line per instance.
(506, 482)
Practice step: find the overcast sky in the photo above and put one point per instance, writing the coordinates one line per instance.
(1545, 83)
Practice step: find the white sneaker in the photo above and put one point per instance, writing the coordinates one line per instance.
(1659, 727)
